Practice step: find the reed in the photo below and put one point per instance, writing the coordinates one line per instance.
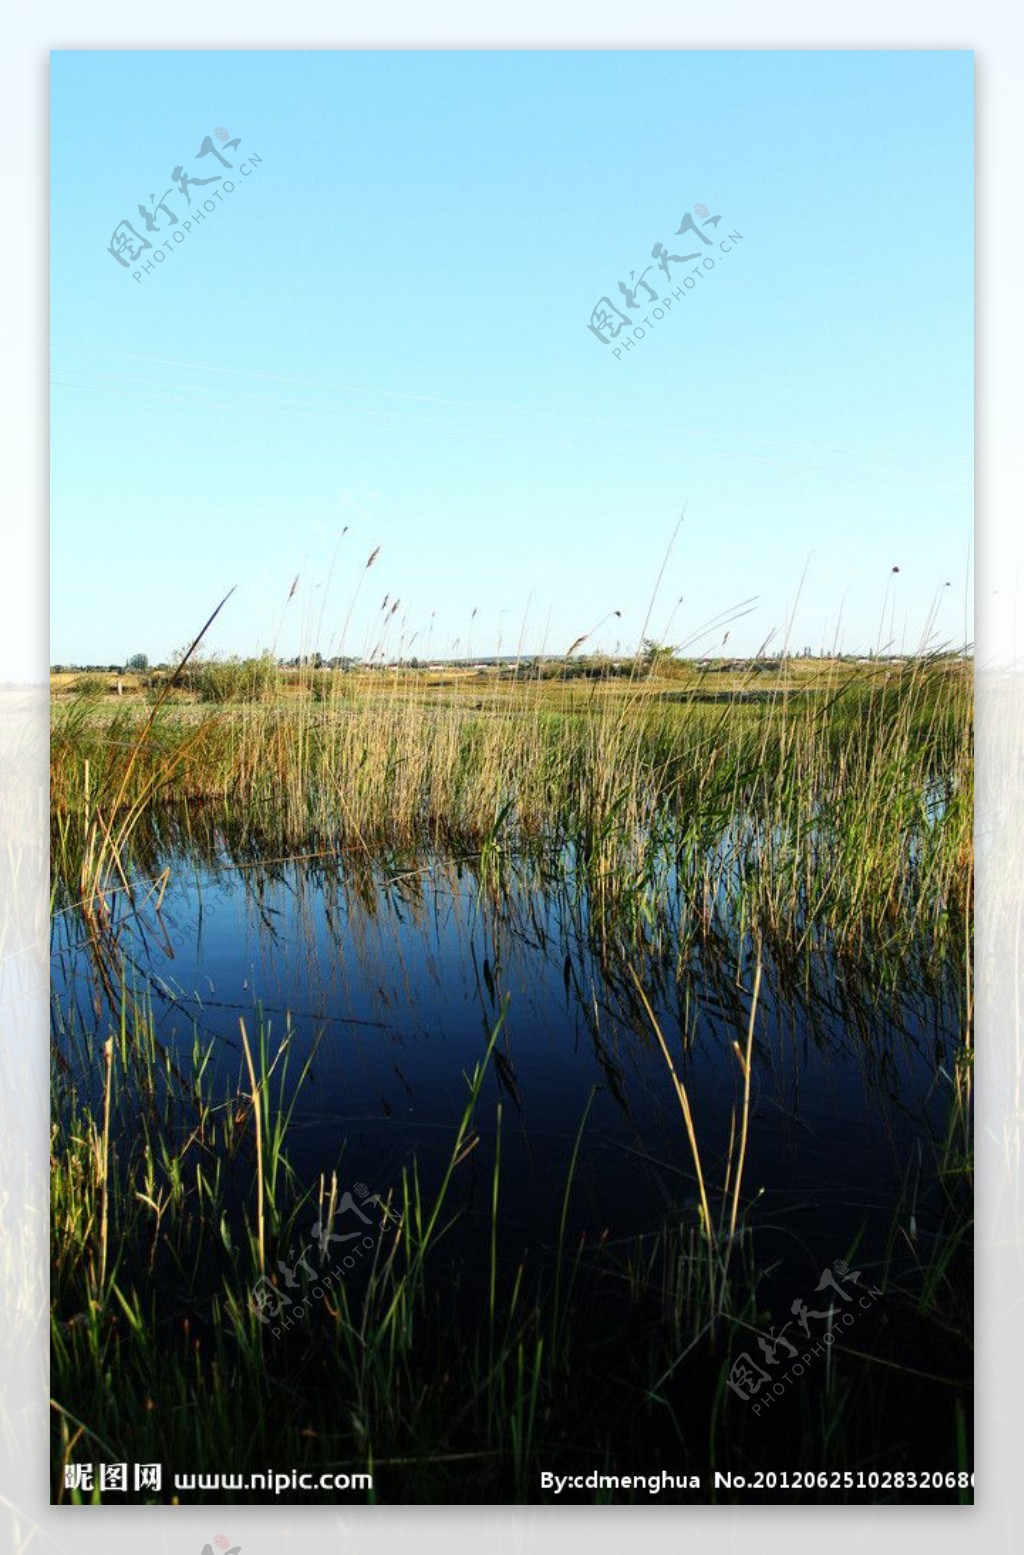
(840, 805)
(257, 1110)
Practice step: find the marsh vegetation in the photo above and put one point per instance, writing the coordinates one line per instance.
(633, 1002)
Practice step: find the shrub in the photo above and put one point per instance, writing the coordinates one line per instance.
(91, 686)
(236, 680)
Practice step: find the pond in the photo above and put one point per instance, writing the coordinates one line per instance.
(390, 979)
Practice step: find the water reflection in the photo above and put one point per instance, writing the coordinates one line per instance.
(398, 971)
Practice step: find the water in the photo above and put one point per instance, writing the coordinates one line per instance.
(391, 978)
(397, 977)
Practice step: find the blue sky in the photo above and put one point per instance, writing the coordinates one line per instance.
(379, 338)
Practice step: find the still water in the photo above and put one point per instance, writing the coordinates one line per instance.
(397, 977)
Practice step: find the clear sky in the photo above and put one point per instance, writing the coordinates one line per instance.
(380, 338)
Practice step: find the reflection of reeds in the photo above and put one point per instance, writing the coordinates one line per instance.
(841, 807)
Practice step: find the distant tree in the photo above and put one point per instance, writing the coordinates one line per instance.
(138, 664)
(91, 685)
(655, 654)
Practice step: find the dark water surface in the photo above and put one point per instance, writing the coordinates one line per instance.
(393, 980)
(399, 977)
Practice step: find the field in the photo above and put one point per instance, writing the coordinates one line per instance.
(673, 964)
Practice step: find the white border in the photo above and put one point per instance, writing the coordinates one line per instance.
(26, 1521)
